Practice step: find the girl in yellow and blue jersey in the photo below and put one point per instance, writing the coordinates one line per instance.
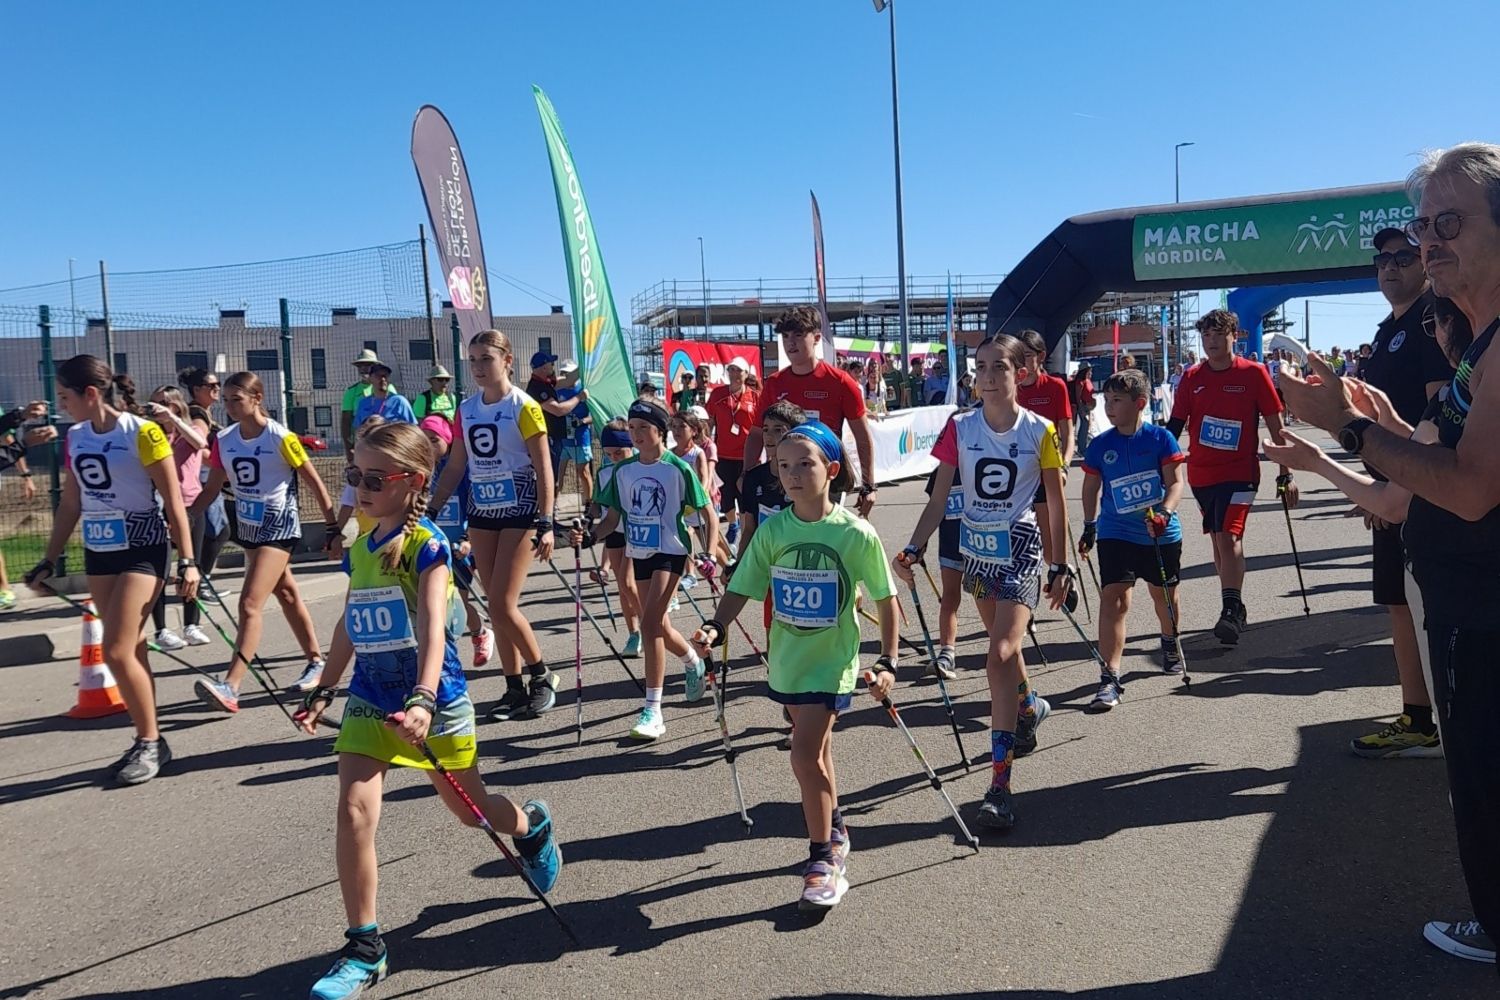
(400, 626)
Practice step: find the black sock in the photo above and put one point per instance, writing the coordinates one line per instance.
(838, 819)
(820, 851)
(365, 944)
(1421, 717)
(1231, 597)
(1168, 643)
(515, 683)
(538, 669)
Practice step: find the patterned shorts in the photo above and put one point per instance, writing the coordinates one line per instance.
(1019, 581)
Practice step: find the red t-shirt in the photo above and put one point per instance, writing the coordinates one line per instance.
(825, 394)
(1223, 411)
(733, 416)
(1047, 397)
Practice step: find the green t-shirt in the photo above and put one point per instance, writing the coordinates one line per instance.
(358, 390)
(442, 405)
(653, 499)
(811, 571)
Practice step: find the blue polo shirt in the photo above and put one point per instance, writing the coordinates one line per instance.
(1130, 470)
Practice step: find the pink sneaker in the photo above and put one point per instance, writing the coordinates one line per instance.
(484, 647)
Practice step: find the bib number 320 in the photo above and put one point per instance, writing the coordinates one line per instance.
(807, 598)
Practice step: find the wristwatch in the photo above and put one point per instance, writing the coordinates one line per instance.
(1352, 435)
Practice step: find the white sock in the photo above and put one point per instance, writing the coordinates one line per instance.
(653, 699)
(946, 649)
(689, 658)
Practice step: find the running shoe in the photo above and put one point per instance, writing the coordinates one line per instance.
(649, 725)
(1399, 739)
(785, 743)
(1461, 939)
(942, 666)
(349, 977)
(7, 600)
(1026, 728)
(217, 695)
(1108, 696)
(733, 534)
(311, 674)
(840, 841)
(996, 811)
(692, 676)
(823, 885)
(513, 705)
(484, 646)
(671, 608)
(195, 636)
(1232, 621)
(633, 646)
(543, 694)
(1171, 662)
(688, 581)
(144, 762)
(118, 765)
(169, 640)
(540, 855)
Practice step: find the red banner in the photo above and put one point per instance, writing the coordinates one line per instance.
(686, 355)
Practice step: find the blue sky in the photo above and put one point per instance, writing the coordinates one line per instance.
(172, 135)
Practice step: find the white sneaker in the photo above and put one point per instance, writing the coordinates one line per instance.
(649, 725)
(195, 636)
(310, 677)
(674, 605)
(484, 647)
(169, 640)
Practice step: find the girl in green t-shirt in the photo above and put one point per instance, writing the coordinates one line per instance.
(809, 557)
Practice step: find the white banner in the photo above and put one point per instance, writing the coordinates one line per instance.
(903, 442)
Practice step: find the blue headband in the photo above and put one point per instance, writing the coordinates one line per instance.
(819, 434)
(613, 437)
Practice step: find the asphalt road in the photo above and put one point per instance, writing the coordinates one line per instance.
(1213, 842)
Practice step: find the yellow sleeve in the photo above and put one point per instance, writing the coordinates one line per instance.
(292, 452)
(151, 442)
(1048, 452)
(530, 420)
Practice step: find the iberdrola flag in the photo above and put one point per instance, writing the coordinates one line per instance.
(598, 341)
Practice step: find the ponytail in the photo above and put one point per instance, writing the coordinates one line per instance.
(124, 391)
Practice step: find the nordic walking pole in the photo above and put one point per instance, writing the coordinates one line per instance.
(730, 753)
(255, 668)
(714, 588)
(930, 581)
(484, 824)
(1286, 508)
(597, 628)
(916, 600)
(87, 607)
(1170, 593)
(604, 591)
(578, 630)
(1093, 650)
(932, 778)
(1031, 631)
(1088, 607)
(876, 622)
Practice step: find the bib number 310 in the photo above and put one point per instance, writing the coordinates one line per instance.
(378, 621)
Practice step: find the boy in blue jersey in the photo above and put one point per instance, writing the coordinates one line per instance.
(1136, 467)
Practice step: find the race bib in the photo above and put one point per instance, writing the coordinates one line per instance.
(452, 514)
(642, 539)
(1224, 435)
(955, 506)
(104, 531)
(806, 598)
(249, 511)
(377, 620)
(494, 489)
(1136, 491)
(985, 541)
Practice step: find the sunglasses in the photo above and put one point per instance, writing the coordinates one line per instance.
(211, 385)
(372, 482)
(1445, 224)
(1401, 258)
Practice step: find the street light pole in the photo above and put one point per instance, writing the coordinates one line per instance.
(703, 276)
(1176, 296)
(880, 6)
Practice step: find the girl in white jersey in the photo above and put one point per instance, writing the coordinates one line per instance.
(118, 464)
(500, 438)
(264, 460)
(1002, 452)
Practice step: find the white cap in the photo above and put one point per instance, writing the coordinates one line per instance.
(738, 362)
(698, 412)
(567, 367)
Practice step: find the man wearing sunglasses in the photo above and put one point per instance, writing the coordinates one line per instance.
(1408, 365)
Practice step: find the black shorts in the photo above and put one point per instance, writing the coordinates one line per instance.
(1127, 562)
(729, 471)
(1041, 495)
(644, 568)
(1389, 567)
(949, 557)
(835, 703)
(1225, 506)
(150, 560)
(285, 544)
(614, 540)
(481, 523)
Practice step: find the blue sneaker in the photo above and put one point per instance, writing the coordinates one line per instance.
(733, 534)
(1026, 728)
(632, 646)
(540, 855)
(692, 676)
(348, 978)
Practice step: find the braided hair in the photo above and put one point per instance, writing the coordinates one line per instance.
(406, 449)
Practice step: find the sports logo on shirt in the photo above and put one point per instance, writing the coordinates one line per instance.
(246, 472)
(1234, 388)
(648, 498)
(994, 478)
(484, 440)
(1110, 457)
(93, 471)
(1397, 341)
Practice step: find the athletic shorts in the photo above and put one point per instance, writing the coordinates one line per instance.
(577, 453)
(363, 731)
(835, 703)
(1041, 495)
(480, 523)
(614, 540)
(1225, 506)
(948, 555)
(150, 560)
(644, 568)
(729, 471)
(1020, 580)
(1389, 567)
(463, 573)
(284, 544)
(1127, 562)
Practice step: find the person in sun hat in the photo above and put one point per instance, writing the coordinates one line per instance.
(363, 362)
(436, 399)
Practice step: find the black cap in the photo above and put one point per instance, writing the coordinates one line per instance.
(1387, 233)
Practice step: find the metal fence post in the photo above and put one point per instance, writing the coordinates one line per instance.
(458, 357)
(49, 391)
(289, 398)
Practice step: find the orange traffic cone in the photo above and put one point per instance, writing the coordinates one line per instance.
(98, 695)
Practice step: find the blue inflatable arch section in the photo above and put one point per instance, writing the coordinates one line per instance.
(1251, 305)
